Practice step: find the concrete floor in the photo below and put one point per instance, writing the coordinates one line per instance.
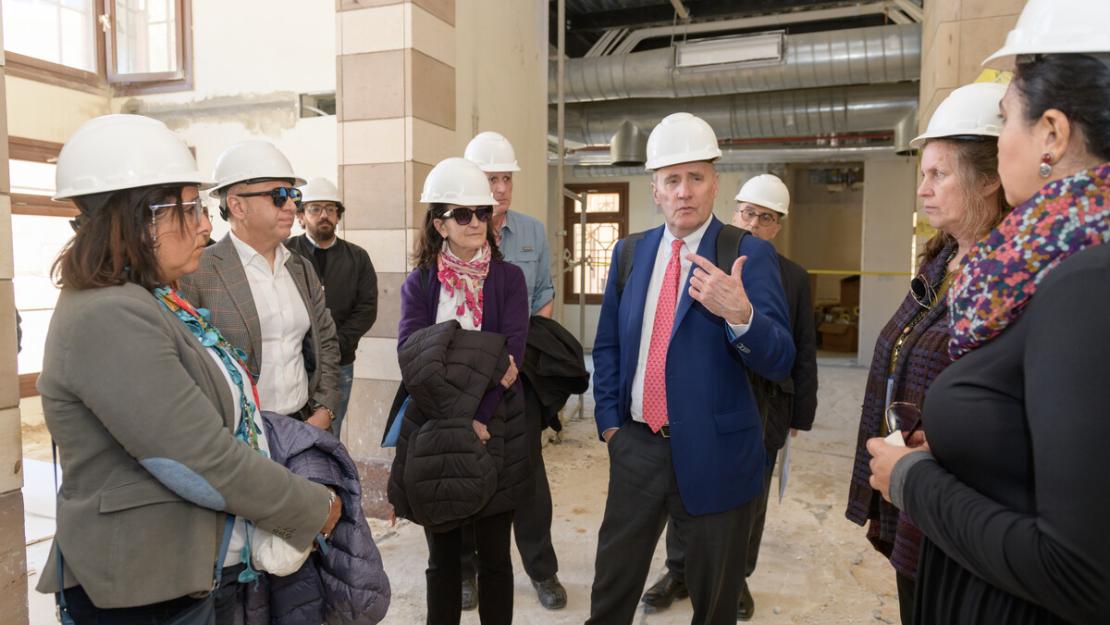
(815, 566)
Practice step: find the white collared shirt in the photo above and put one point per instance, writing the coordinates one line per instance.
(690, 245)
(284, 321)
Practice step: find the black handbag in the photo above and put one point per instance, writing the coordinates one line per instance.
(202, 612)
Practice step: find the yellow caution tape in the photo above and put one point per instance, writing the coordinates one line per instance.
(993, 75)
(856, 272)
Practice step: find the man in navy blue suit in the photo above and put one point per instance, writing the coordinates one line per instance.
(673, 404)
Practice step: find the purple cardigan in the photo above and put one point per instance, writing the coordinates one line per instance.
(504, 311)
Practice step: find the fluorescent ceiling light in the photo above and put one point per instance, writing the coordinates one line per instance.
(757, 49)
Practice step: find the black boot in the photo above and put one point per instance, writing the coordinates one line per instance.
(663, 593)
(551, 593)
(745, 607)
(469, 593)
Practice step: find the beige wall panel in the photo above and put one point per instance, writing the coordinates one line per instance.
(373, 85)
(13, 560)
(40, 111)
(430, 34)
(415, 173)
(991, 8)
(5, 178)
(443, 9)
(372, 30)
(376, 359)
(372, 141)
(979, 39)
(389, 304)
(370, 400)
(11, 449)
(944, 57)
(374, 196)
(9, 376)
(387, 248)
(7, 260)
(432, 90)
(428, 142)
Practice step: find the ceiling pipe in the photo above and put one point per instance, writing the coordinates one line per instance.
(596, 165)
(823, 111)
(872, 55)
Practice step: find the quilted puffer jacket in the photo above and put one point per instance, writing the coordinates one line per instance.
(442, 474)
(344, 583)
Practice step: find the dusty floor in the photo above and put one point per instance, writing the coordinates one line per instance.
(815, 567)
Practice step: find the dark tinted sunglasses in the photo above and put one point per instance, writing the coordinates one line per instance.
(279, 196)
(924, 294)
(462, 215)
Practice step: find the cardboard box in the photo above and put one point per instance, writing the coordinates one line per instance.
(839, 337)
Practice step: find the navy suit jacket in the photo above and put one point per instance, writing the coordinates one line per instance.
(716, 436)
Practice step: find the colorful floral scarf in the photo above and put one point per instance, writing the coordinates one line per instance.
(464, 279)
(1001, 273)
(248, 431)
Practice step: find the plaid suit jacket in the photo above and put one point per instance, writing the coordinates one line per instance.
(220, 285)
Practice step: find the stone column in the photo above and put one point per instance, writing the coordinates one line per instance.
(956, 36)
(395, 90)
(13, 559)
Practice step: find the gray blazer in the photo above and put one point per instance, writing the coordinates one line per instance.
(220, 285)
(141, 413)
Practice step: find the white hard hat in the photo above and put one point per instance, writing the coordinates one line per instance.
(251, 160)
(768, 191)
(320, 190)
(971, 110)
(681, 138)
(457, 181)
(114, 152)
(1056, 27)
(492, 152)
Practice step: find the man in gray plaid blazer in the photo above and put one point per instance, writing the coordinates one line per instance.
(266, 300)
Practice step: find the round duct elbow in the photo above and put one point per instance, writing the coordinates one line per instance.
(629, 146)
(904, 131)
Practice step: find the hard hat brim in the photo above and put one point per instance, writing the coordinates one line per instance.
(182, 180)
(498, 167)
(214, 192)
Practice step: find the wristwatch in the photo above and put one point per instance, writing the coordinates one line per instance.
(315, 405)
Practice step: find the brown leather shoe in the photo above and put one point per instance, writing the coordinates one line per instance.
(745, 607)
(663, 593)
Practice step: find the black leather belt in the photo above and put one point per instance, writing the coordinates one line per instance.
(664, 431)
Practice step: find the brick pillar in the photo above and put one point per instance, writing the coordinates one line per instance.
(13, 560)
(956, 36)
(395, 88)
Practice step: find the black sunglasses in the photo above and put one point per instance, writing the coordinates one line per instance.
(279, 196)
(923, 293)
(462, 215)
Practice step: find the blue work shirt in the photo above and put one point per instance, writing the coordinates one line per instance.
(524, 244)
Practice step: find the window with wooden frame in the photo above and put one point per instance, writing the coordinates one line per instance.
(31, 165)
(107, 47)
(606, 222)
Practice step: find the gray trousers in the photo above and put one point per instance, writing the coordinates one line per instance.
(643, 494)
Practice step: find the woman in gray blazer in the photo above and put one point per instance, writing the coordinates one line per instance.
(154, 416)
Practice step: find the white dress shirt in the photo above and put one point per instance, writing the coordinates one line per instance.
(284, 321)
(690, 244)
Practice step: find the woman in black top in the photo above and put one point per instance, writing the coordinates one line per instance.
(1011, 489)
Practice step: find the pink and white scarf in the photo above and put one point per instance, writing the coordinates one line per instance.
(464, 280)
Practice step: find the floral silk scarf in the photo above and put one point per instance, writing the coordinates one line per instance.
(1000, 275)
(464, 279)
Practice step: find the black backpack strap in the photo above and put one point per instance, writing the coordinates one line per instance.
(624, 261)
(728, 246)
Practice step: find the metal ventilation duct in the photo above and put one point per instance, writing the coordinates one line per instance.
(802, 113)
(873, 55)
(629, 146)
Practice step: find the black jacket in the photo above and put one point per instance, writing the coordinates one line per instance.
(350, 289)
(553, 370)
(792, 403)
(442, 475)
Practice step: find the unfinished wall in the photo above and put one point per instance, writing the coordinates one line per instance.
(824, 229)
(13, 562)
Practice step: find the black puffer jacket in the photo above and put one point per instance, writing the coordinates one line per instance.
(442, 475)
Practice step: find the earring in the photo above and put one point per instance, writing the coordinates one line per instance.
(1046, 165)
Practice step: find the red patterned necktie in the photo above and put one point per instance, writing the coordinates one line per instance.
(655, 383)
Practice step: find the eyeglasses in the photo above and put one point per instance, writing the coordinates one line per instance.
(279, 196)
(764, 218)
(923, 293)
(195, 205)
(462, 215)
(314, 210)
(903, 416)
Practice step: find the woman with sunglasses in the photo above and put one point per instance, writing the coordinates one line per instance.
(460, 276)
(155, 418)
(963, 200)
(1011, 490)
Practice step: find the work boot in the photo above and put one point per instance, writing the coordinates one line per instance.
(663, 593)
(745, 607)
(469, 593)
(551, 593)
